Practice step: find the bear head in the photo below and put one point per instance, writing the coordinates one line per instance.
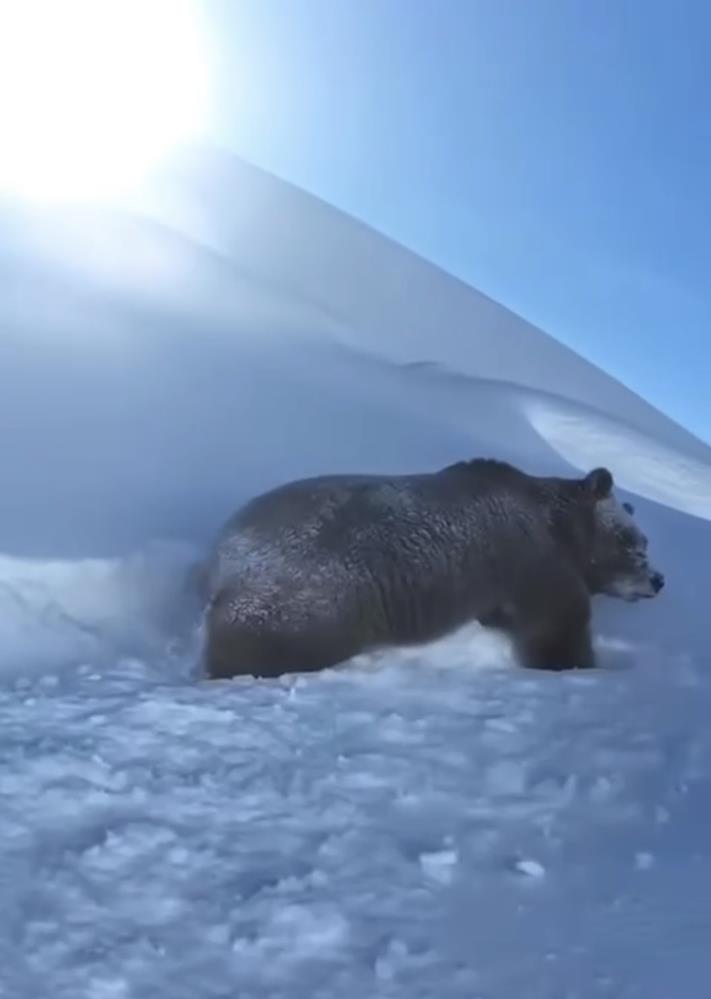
(618, 563)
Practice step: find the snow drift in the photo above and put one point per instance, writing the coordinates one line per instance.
(424, 822)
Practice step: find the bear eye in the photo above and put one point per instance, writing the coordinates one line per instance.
(629, 508)
(630, 540)
(635, 541)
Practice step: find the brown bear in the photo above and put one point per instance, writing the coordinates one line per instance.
(316, 571)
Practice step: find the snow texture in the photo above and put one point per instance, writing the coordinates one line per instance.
(429, 822)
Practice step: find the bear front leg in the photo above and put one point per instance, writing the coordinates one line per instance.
(497, 618)
(556, 649)
(551, 629)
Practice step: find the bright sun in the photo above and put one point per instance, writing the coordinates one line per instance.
(94, 92)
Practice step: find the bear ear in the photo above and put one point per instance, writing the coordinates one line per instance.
(599, 483)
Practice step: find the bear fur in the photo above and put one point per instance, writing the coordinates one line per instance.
(319, 570)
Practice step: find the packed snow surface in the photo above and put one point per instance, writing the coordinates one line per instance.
(430, 822)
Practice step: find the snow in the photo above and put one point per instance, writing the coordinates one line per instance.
(430, 821)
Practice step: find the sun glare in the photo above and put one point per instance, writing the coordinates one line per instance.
(94, 92)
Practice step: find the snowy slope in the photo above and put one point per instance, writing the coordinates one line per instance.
(429, 823)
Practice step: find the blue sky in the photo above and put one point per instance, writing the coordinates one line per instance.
(556, 154)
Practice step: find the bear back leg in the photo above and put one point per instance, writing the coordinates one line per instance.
(238, 645)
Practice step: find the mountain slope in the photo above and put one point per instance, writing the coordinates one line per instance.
(430, 822)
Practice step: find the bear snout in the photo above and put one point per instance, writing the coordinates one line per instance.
(657, 581)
